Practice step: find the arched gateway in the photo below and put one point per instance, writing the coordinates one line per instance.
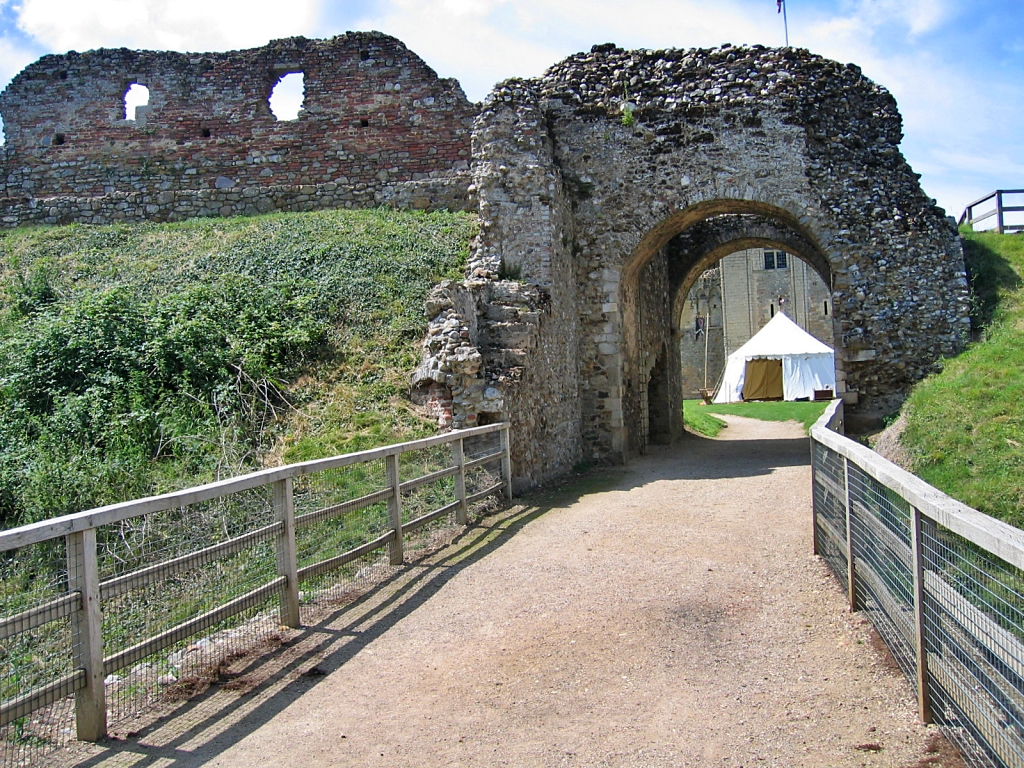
(613, 181)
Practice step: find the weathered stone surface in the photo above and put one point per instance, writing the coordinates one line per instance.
(378, 127)
(613, 181)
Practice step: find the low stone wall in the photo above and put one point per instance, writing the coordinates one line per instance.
(447, 191)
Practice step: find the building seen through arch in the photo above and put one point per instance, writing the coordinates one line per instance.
(734, 299)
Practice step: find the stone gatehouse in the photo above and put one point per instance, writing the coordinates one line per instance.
(604, 189)
(615, 180)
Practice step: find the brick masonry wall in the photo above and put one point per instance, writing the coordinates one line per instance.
(377, 127)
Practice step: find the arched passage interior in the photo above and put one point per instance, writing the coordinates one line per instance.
(652, 295)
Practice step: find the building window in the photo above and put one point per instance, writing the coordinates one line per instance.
(776, 260)
(826, 307)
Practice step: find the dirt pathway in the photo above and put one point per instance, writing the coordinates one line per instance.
(665, 614)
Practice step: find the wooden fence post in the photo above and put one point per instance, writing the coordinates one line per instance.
(924, 706)
(87, 635)
(999, 211)
(814, 500)
(459, 454)
(851, 570)
(396, 547)
(287, 558)
(506, 461)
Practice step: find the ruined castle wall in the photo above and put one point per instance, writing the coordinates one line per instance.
(650, 145)
(526, 215)
(377, 127)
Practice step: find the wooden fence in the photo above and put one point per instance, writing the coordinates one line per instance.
(83, 593)
(942, 583)
(969, 216)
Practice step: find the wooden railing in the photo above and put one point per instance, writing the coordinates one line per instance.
(942, 583)
(366, 497)
(970, 217)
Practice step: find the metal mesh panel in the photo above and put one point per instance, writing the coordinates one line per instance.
(974, 635)
(330, 531)
(481, 478)
(883, 563)
(32, 658)
(178, 588)
(427, 498)
(830, 509)
(183, 590)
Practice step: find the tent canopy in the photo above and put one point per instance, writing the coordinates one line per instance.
(807, 364)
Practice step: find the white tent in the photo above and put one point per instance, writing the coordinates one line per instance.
(781, 350)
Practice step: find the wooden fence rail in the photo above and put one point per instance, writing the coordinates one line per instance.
(969, 216)
(942, 583)
(82, 602)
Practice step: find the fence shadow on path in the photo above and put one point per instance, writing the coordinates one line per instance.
(246, 698)
(253, 691)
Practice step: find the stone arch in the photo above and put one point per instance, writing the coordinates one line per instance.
(583, 183)
(662, 267)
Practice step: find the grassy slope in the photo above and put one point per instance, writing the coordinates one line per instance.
(965, 430)
(139, 358)
(697, 416)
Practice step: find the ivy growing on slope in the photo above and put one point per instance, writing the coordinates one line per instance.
(139, 358)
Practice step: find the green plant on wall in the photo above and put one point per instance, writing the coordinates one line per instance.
(628, 118)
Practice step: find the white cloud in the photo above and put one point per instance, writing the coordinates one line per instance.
(485, 41)
(182, 25)
(919, 16)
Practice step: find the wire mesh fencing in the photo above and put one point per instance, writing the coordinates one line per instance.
(112, 612)
(163, 577)
(37, 652)
(942, 583)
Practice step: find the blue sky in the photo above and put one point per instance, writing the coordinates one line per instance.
(955, 67)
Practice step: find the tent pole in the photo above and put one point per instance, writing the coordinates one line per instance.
(707, 331)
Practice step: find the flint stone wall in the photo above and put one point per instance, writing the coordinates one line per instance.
(587, 176)
(377, 127)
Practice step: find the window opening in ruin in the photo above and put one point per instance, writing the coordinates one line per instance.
(364, 123)
(136, 96)
(826, 307)
(776, 260)
(205, 133)
(58, 139)
(772, 310)
(288, 96)
(364, 55)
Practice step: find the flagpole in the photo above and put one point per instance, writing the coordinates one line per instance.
(785, 22)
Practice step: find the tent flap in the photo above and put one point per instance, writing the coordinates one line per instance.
(763, 379)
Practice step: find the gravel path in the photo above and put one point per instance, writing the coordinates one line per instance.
(665, 614)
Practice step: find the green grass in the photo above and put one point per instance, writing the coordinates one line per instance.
(965, 431)
(698, 419)
(140, 358)
(698, 416)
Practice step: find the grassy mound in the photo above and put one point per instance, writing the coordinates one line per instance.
(965, 425)
(139, 358)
